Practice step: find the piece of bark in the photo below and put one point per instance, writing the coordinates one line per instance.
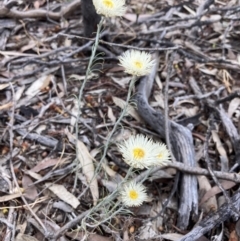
(231, 131)
(44, 140)
(182, 146)
(66, 9)
(90, 18)
(224, 213)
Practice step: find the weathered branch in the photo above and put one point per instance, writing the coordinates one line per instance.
(6, 12)
(90, 18)
(214, 219)
(44, 140)
(182, 145)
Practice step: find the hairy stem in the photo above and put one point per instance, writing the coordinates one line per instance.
(132, 82)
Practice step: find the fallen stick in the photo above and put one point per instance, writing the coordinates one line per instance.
(39, 13)
(182, 146)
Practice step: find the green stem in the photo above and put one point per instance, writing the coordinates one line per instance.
(91, 59)
(88, 72)
(128, 173)
(132, 82)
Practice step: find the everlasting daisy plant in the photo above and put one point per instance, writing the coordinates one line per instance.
(110, 8)
(133, 194)
(136, 63)
(139, 151)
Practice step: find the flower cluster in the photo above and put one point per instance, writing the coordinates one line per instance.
(141, 152)
(138, 151)
(110, 8)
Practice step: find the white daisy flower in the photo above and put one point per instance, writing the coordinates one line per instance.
(136, 63)
(110, 8)
(133, 194)
(139, 151)
(163, 156)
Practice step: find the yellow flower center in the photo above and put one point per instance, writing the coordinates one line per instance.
(138, 153)
(108, 3)
(138, 64)
(160, 156)
(133, 194)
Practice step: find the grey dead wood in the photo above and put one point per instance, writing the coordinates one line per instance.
(4, 159)
(4, 35)
(214, 219)
(57, 173)
(44, 140)
(46, 232)
(182, 146)
(11, 223)
(234, 177)
(90, 18)
(200, 171)
(231, 131)
(66, 10)
(67, 226)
